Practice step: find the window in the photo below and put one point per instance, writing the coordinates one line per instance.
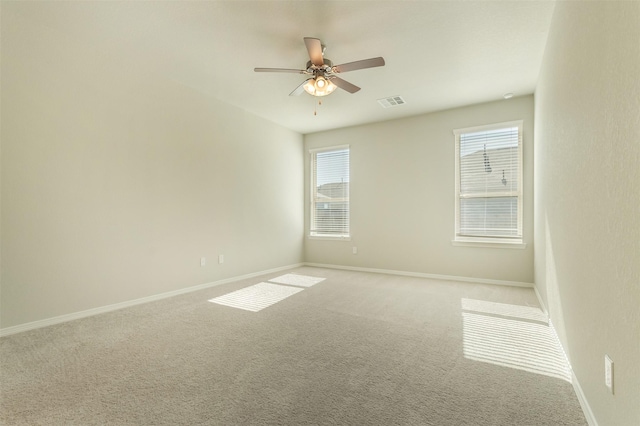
(330, 192)
(489, 184)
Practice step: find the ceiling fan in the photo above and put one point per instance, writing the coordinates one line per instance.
(324, 80)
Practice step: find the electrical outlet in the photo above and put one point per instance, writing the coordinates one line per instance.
(608, 373)
(203, 261)
(221, 258)
(355, 250)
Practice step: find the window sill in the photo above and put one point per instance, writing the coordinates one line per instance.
(488, 243)
(330, 237)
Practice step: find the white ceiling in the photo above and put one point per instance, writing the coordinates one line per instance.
(438, 55)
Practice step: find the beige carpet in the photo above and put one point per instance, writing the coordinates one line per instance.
(353, 349)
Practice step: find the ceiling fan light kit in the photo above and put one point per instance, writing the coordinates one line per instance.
(324, 80)
(319, 86)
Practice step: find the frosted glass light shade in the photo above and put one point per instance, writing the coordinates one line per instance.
(319, 86)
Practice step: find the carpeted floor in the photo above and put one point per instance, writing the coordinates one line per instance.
(353, 349)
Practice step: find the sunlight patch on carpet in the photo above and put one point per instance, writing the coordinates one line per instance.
(256, 297)
(297, 280)
(512, 336)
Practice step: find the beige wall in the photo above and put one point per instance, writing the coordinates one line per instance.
(116, 182)
(587, 201)
(402, 196)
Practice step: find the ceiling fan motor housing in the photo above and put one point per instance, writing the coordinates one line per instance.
(328, 65)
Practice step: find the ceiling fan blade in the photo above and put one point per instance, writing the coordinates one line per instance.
(358, 65)
(314, 47)
(298, 90)
(289, 70)
(344, 85)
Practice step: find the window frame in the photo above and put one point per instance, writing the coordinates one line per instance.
(312, 195)
(490, 241)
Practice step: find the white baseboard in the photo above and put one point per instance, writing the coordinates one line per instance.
(540, 301)
(103, 309)
(422, 275)
(586, 408)
(582, 399)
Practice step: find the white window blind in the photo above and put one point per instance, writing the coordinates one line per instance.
(330, 192)
(489, 183)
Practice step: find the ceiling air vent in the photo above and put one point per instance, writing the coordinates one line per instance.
(391, 102)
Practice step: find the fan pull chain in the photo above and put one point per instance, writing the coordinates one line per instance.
(315, 106)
